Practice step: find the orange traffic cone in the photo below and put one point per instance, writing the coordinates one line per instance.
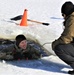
(24, 19)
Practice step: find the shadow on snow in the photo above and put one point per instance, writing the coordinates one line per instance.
(40, 64)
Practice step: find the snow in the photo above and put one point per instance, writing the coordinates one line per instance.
(44, 66)
(47, 11)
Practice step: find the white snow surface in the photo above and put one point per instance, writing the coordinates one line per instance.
(47, 11)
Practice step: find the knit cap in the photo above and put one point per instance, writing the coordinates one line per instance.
(19, 38)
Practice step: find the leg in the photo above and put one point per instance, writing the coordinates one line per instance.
(66, 53)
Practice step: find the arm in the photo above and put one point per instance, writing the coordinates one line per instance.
(32, 52)
(67, 35)
(36, 54)
(6, 52)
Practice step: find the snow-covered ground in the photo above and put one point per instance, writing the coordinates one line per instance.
(46, 66)
(47, 11)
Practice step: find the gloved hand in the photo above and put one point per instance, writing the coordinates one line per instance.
(18, 55)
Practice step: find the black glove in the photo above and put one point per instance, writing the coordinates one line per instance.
(27, 55)
(18, 55)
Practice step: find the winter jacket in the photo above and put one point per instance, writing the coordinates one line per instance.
(68, 34)
(12, 52)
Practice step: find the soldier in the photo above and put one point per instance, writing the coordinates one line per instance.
(19, 50)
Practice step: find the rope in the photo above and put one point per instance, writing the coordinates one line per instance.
(46, 43)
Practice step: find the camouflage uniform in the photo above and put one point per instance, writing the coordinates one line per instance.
(12, 52)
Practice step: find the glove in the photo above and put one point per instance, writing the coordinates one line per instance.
(18, 55)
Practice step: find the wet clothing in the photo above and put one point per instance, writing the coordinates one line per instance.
(64, 45)
(12, 52)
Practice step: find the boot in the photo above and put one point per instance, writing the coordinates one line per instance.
(71, 72)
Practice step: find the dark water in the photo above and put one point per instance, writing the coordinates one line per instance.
(38, 47)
